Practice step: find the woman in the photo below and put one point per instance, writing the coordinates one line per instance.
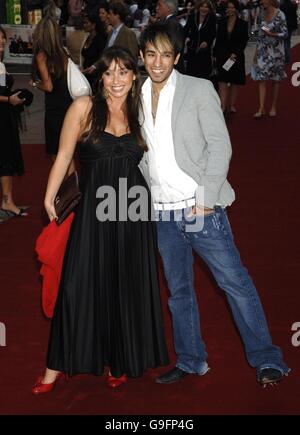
(104, 17)
(49, 74)
(268, 63)
(95, 42)
(231, 41)
(200, 32)
(11, 161)
(108, 309)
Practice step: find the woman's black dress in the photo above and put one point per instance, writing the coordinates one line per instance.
(57, 103)
(199, 60)
(227, 44)
(11, 161)
(108, 311)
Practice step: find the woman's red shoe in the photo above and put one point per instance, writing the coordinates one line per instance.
(40, 388)
(116, 382)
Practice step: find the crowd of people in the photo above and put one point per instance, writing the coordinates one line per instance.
(168, 135)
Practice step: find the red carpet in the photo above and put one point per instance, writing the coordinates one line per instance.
(265, 218)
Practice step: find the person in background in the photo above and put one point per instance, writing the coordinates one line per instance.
(75, 10)
(289, 8)
(104, 17)
(76, 39)
(200, 33)
(166, 13)
(52, 9)
(93, 46)
(141, 15)
(231, 41)
(269, 57)
(49, 74)
(184, 14)
(11, 160)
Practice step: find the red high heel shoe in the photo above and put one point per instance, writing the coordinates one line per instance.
(116, 382)
(40, 388)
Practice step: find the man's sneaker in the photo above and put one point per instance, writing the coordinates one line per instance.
(269, 376)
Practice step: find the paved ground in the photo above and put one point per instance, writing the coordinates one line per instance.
(34, 115)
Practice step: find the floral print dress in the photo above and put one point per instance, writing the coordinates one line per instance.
(270, 50)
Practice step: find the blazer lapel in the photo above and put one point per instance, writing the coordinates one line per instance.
(178, 100)
(119, 36)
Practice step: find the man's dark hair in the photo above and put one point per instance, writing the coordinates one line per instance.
(162, 32)
(119, 8)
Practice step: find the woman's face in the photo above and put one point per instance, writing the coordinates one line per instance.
(2, 43)
(103, 15)
(88, 27)
(204, 9)
(189, 6)
(118, 80)
(265, 4)
(230, 11)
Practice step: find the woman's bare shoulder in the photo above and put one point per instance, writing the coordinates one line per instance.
(82, 105)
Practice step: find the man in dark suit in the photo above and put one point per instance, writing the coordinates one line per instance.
(166, 13)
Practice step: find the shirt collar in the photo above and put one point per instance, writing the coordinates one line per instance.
(171, 82)
(117, 29)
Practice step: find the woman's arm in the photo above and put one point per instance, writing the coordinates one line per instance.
(45, 84)
(14, 99)
(280, 28)
(73, 128)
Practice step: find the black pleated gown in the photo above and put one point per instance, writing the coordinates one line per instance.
(108, 311)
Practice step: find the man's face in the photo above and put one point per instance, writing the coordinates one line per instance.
(162, 9)
(159, 63)
(112, 18)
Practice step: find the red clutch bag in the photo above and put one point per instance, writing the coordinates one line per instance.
(68, 196)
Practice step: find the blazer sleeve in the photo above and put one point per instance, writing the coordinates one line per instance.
(219, 150)
(241, 39)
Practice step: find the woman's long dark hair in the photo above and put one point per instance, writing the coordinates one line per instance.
(98, 116)
(47, 39)
(4, 34)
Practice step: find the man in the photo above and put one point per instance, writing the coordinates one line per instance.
(189, 154)
(166, 13)
(121, 35)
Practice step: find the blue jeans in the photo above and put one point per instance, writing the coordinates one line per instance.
(215, 245)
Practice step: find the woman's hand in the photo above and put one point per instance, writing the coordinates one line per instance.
(202, 46)
(233, 56)
(14, 99)
(269, 33)
(50, 209)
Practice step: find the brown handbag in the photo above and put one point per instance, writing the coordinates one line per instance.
(68, 196)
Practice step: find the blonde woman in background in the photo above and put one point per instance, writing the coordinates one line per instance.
(49, 74)
(269, 56)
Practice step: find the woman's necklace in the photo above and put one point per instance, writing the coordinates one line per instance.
(154, 98)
